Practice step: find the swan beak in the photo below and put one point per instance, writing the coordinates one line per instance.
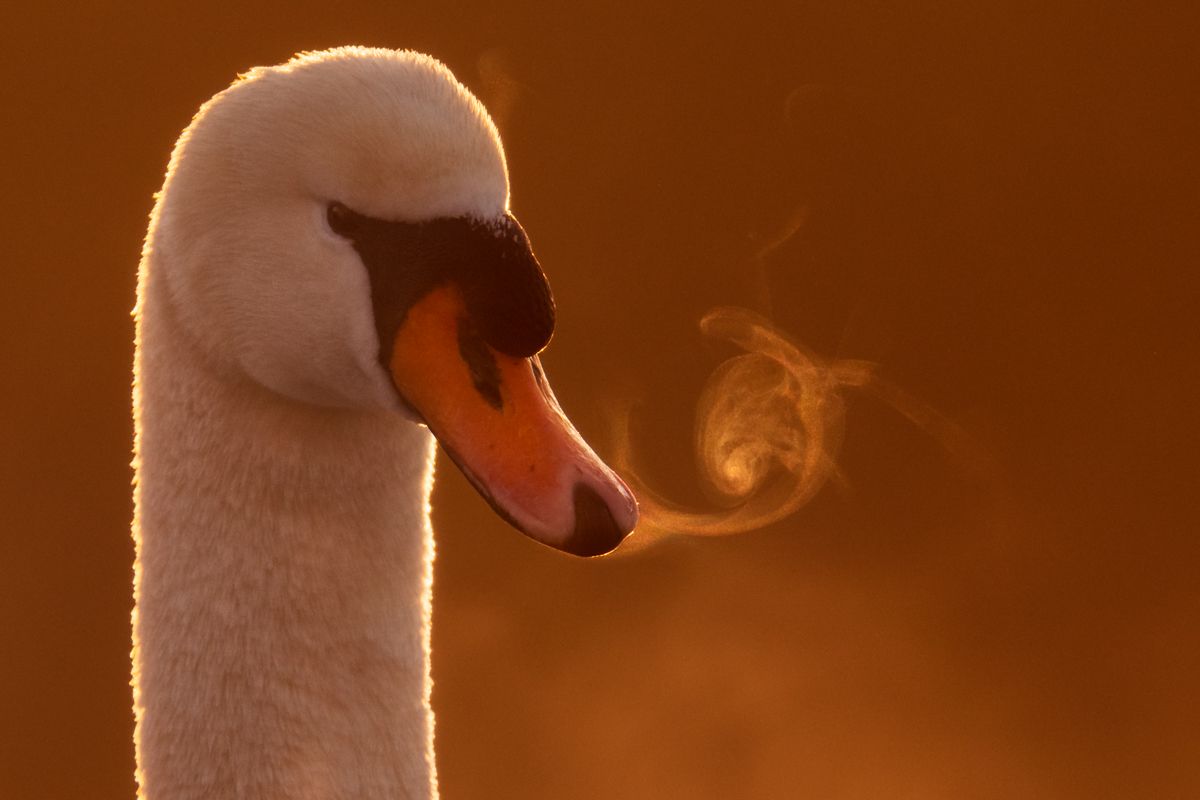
(496, 417)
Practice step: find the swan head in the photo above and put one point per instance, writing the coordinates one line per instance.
(337, 229)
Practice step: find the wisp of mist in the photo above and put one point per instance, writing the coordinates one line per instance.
(768, 428)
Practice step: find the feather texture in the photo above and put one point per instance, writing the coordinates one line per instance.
(284, 551)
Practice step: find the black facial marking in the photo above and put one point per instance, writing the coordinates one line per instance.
(506, 292)
(485, 373)
(507, 296)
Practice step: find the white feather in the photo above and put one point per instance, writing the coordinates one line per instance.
(284, 553)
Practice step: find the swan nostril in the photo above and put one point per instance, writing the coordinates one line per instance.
(485, 373)
(596, 532)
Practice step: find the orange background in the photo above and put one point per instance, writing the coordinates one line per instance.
(1000, 213)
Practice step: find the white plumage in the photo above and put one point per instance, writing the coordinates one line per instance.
(284, 552)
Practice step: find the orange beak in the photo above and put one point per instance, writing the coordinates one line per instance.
(496, 417)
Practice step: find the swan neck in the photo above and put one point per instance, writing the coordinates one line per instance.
(282, 587)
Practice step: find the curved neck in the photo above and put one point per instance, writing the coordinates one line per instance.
(282, 588)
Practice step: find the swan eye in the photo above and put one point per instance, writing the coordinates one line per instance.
(342, 220)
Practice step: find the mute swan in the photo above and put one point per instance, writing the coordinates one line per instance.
(331, 261)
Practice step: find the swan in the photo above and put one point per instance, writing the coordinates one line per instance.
(332, 277)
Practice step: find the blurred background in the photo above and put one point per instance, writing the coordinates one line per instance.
(998, 206)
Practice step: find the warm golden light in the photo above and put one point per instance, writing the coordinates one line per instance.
(993, 206)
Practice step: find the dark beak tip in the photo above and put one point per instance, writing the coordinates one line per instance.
(596, 532)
